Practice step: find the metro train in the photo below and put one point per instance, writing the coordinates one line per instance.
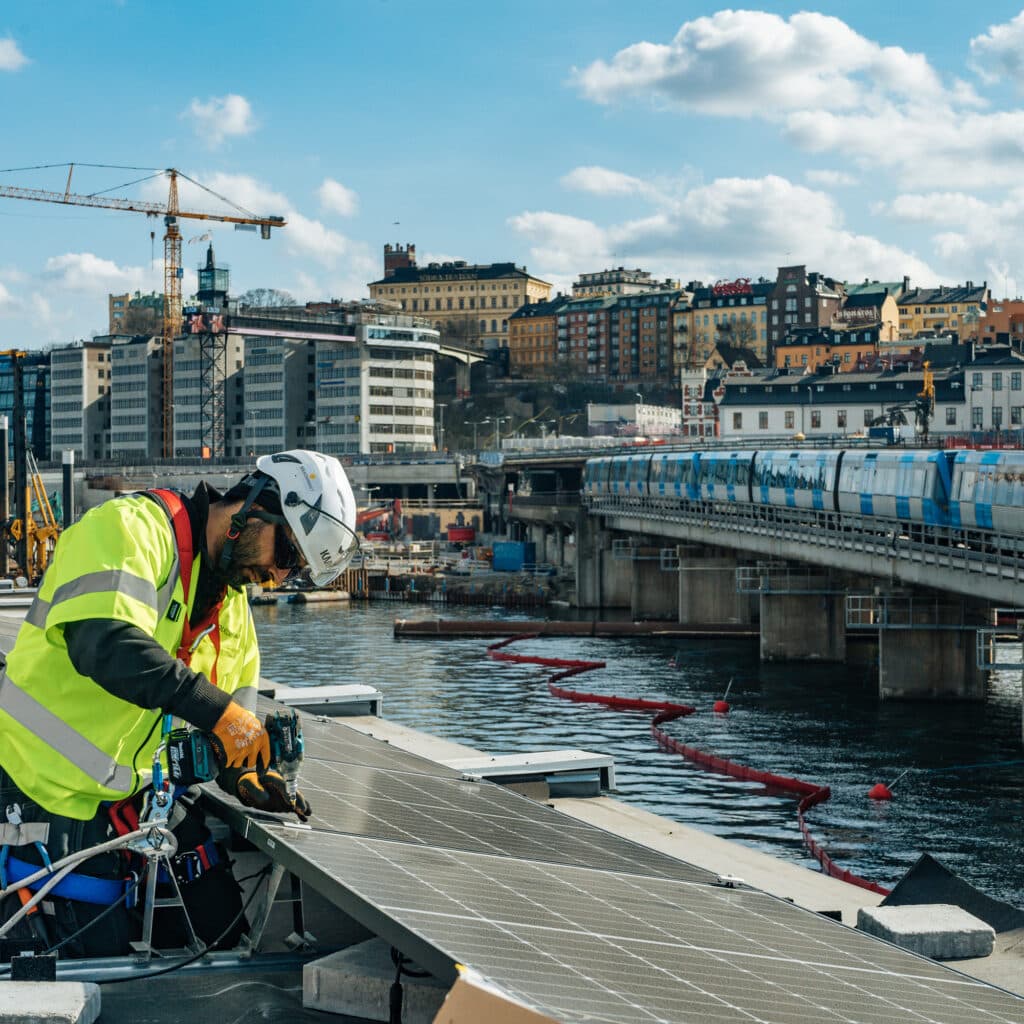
(963, 489)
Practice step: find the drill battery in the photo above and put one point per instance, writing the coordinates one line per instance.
(190, 757)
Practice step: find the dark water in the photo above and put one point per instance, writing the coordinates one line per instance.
(818, 723)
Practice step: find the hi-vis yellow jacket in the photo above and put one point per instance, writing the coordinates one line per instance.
(65, 741)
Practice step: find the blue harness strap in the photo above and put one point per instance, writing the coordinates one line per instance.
(83, 888)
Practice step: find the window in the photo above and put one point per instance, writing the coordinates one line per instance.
(977, 417)
(1015, 415)
(869, 415)
(841, 418)
(951, 417)
(790, 419)
(997, 416)
(976, 382)
(997, 382)
(762, 421)
(1015, 381)
(737, 421)
(815, 419)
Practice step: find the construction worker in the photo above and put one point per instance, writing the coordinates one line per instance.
(143, 614)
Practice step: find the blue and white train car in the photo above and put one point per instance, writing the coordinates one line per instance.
(908, 485)
(595, 477)
(987, 491)
(724, 476)
(796, 479)
(627, 476)
(673, 475)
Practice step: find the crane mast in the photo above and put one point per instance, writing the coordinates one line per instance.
(172, 310)
(171, 213)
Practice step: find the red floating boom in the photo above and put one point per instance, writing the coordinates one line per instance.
(810, 793)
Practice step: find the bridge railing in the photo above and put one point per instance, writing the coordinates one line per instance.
(980, 552)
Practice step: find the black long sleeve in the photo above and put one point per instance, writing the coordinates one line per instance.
(133, 666)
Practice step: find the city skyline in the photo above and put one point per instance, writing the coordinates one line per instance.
(688, 140)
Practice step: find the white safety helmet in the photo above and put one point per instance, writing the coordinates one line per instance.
(318, 504)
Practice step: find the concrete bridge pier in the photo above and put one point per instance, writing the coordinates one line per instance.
(602, 580)
(927, 650)
(707, 590)
(803, 627)
(655, 589)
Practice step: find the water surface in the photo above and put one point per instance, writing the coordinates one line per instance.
(821, 723)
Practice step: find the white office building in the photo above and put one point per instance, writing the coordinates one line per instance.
(136, 383)
(80, 400)
(376, 395)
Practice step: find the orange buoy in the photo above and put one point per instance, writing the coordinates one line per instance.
(880, 791)
(721, 706)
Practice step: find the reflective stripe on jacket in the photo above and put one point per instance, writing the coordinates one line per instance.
(65, 741)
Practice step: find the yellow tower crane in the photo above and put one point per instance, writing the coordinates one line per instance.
(171, 213)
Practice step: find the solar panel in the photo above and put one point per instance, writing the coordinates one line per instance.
(334, 741)
(362, 786)
(478, 816)
(588, 945)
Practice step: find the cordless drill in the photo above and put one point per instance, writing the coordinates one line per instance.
(190, 757)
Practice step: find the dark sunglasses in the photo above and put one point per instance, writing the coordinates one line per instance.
(286, 554)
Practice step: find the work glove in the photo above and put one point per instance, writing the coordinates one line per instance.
(239, 739)
(267, 791)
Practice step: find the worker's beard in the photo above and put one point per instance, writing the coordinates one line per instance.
(244, 563)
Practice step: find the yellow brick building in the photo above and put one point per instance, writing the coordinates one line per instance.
(956, 309)
(469, 304)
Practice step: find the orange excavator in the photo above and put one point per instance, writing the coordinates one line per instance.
(393, 528)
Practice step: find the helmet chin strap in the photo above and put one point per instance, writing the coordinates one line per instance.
(240, 518)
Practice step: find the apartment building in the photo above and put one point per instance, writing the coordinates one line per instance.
(800, 299)
(955, 309)
(468, 304)
(135, 313)
(80, 399)
(533, 337)
(136, 401)
(733, 313)
(618, 281)
(774, 403)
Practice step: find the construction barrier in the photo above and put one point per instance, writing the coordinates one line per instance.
(810, 793)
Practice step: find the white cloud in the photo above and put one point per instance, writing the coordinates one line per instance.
(832, 179)
(337, 198)
(562, 244)
(966, 150)
(11, 57)
(729, 228)
(220, 117)
(600, 181)
(87, 272)
(754, 64)
(999, 53)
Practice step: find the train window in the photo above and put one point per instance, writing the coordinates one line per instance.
(967, 482)
(743, 473)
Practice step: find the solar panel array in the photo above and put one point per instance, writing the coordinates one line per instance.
(581, 924)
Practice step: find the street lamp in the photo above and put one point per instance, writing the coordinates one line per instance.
(498, 420)
(478, 423)
(440, 406)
